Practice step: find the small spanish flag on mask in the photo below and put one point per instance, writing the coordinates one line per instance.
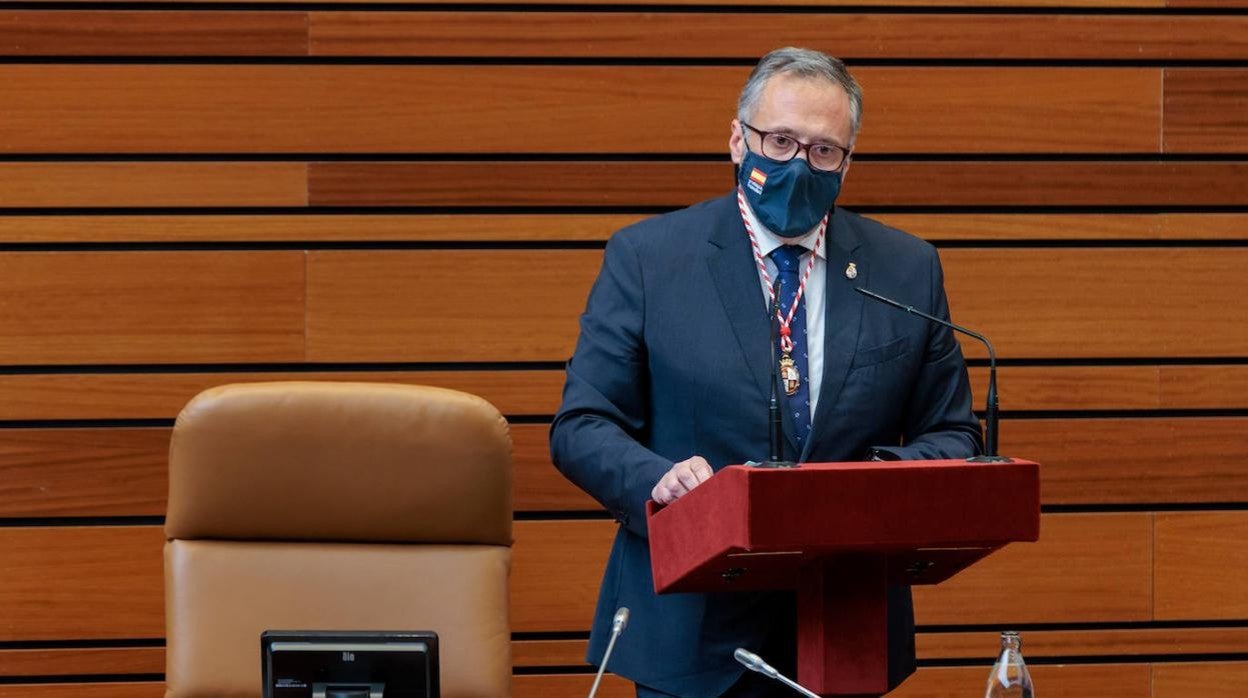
(758, 177)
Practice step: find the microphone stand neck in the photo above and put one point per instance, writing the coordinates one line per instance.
(775, 426)
(796, 686)
(992, 417)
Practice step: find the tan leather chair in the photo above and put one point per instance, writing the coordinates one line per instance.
(336, 506)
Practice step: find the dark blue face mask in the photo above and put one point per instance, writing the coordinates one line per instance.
(788, 197)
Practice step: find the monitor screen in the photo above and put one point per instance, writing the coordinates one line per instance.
(349, 664)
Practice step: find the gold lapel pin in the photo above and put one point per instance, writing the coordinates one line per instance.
(851, 271)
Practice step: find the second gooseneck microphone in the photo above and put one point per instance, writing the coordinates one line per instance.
(991, 417)
(753, 662)
(618, 623)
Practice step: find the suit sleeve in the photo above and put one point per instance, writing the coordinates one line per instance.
(597, 434)
(939, 420)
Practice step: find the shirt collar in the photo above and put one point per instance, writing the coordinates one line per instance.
(769, 241)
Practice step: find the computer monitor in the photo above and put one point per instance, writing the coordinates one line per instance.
(349, 664)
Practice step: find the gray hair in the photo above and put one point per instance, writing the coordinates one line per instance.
(806, 63)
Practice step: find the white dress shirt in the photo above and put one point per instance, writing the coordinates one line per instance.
(813, 295)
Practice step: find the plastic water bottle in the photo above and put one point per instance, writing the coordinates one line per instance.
(1009, 678)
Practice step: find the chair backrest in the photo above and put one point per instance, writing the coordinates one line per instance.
(336, 506)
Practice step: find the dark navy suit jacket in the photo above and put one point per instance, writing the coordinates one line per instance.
(673, 360)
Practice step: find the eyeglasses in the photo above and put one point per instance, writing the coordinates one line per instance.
(825, 157)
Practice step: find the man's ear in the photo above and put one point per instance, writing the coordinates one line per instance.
(736, 143)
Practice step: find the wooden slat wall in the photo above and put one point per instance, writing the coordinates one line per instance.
(328, 109)
(192, 196)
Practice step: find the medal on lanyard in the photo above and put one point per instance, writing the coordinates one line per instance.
(789, 374)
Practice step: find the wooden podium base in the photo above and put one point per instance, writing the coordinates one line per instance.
(842, 626)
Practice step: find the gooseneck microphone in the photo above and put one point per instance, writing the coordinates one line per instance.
(753, 662)
(775, 427)
(618, 623)
(992, 418)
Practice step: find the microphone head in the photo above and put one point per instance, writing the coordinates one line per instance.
(620, 621)
(753, 662)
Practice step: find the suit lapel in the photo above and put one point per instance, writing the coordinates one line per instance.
(735, 273)
(842, 315)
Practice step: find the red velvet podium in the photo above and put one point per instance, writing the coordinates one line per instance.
(839, 534)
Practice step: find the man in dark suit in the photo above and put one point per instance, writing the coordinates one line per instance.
(672, 368)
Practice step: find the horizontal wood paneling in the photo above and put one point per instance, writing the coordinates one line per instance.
(151, 184)
(1134, 461)
(1057, 681)
(555, 572)
(83, 472)
(785, 3)
(537, 227)
(121, 395)
(1204, 679)
(538, 485)
(979, 645)
(1206, 110)
(124, 689)
(391, 305)
(121, 471)
(601, 183)
(167, 33)
(1072, 387)
(162, 395)
(545, 685)
(81, 583)
(1202, 560)
(264, 33)
(533, 183)
(977, 110)
(413, 305)
(82, 661)
(900, 183)
(685, 109)
(1068, 226)
(749, 35)
(181, 108)
(1087, 643)
(314, 228)
(151, 307)
(105, 582)
(1219, 4)
(1085, 568)
(528, 654)
(1167, 387)
(1101, 302)
(1092, 183)
(1172, 386)
(1063, 681)
(622, 35)
(1209, 680)
(1204, 386)
(532, 653)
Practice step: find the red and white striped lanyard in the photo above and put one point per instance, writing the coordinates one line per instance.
(786, 339)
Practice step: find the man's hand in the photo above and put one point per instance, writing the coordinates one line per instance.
(683, 477)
